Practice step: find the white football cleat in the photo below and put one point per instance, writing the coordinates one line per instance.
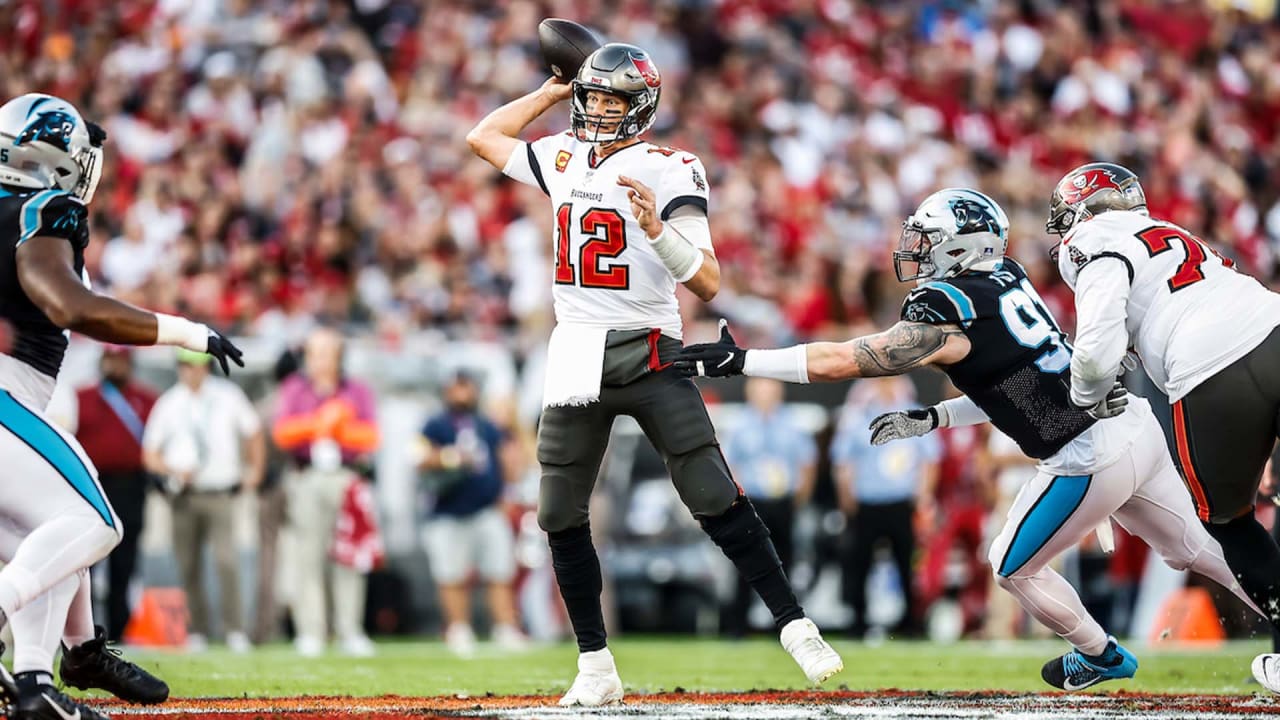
(817, 658)
(597, 682)
(1266, 670)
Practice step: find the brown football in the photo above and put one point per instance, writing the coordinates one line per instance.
(565, 45)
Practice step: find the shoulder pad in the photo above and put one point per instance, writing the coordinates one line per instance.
(57, 213)
(938, 303)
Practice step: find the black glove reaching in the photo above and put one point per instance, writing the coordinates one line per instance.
(222, 350)
(722, 358)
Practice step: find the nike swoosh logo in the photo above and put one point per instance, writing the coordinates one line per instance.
(58, 709)
(686, 161)
(727, 360)
(1070, 686)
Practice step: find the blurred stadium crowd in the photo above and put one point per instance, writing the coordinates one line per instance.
(277, 165)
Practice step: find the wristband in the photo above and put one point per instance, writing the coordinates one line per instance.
(786, 364)
(174, 330)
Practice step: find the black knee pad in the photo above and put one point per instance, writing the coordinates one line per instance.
(560, 507)
(702, 479)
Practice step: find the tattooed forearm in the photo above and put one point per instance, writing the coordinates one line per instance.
(900, 348)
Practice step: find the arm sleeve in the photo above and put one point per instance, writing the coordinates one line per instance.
(1102, 296)
(53, 213)
(961, 411)
(684, 183)
(690, 222)
(530, 162)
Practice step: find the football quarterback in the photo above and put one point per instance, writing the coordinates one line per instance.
(630, 225)
(975, 316)
(1208, 338)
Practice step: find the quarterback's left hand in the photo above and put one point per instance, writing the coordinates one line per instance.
(643, 206)
(903, 424)
(722, 358)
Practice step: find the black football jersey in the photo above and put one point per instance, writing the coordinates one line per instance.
(52, 216)
(1019, 366)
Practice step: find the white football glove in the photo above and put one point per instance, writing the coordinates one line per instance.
(1111, 405)
(903, 424)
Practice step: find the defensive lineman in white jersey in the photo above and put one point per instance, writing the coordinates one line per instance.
(1208, 338)
(630, 224)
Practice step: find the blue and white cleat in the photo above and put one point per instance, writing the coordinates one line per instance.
(1076, 671)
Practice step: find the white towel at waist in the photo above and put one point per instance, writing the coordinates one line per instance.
(575, 362)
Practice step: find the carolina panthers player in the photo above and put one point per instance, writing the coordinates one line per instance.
(976, 317)
(57, 520)
(631, 223)
(1208, 338)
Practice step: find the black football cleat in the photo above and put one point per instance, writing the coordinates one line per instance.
(50, 704)
(95, 665)
(43, 701)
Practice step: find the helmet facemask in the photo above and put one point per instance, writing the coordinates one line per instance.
(590, 127)
(915, 253)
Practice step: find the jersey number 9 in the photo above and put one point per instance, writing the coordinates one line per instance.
(1032, 326)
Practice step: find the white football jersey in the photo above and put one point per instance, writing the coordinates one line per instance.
(606, 273)
(1189, 314)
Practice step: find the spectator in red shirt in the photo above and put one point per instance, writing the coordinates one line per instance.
(111, 416)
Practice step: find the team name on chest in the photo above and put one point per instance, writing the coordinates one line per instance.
(586, 195)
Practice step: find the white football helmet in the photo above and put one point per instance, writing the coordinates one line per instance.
(953, 231)
(45, 143)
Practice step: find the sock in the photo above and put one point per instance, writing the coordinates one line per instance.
(1254, 558)
(37, 627)
(577, 571)
(744, 539)
(80, 628)
(1109, 657)
(33, 680)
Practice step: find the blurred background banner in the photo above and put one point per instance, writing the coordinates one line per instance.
(276, 167)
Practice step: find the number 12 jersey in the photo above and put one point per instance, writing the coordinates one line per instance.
(1188, 313)
(606, 273)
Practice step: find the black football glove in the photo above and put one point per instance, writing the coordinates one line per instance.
(722, 358)
(1111, 405)
(223, 350)
(903, 424)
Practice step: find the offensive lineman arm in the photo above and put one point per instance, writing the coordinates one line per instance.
(1102, 296)
(496, 136)
(46, 272)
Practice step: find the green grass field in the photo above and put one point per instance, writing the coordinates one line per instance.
(662, 664)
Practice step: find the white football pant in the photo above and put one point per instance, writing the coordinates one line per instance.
(55, 522)
(1052, 513)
